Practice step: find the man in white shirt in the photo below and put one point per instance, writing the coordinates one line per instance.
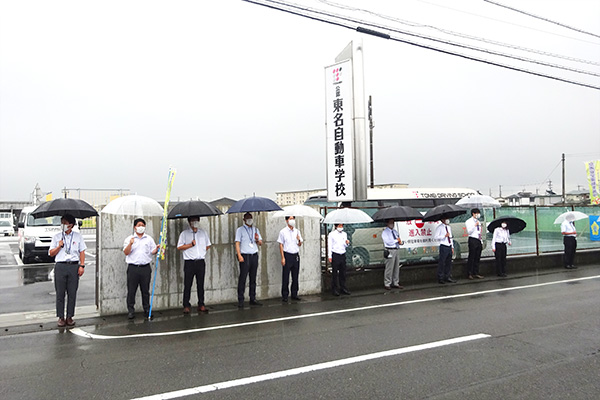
(475, 243)
(290, 241)
(139, 249)
(68, 249)
(391, 242)
(193, 243)
(443, 234)
(567, 228)
(499, 241)
(247, 240)
(336, 249)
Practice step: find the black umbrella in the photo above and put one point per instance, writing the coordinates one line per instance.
(514, 224)
(59, 207)
(443, 211)
(397, 213)
(253, 204)
(193, 208)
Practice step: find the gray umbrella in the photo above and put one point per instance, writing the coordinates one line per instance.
(397, 213)
(193, 208)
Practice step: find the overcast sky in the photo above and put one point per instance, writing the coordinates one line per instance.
(110, 94)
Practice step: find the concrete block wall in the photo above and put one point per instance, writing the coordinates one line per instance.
(222, 268)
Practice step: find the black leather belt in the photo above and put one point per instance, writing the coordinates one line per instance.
(140, 265)
(68, 262)
(392, 248)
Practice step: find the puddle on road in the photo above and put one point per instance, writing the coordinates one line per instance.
(24, 275)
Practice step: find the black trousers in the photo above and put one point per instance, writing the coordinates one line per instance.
(138, 275)
(570, 243)
(444, 270)
(292, 265)
(66, 281)
(338, 271)
(191, 269)
(500, 255)
(475, 247)
(248, 267)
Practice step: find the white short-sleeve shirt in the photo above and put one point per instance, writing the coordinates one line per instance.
(288, 238)
(73, 244)
(197, 252)
(141, 250)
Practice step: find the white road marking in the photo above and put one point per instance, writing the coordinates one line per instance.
(309, 368)
(18, 259)
(82, 333)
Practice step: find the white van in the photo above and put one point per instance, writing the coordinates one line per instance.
(6, 224)
(35, 235)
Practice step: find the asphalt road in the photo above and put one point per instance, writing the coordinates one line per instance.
(538, 339)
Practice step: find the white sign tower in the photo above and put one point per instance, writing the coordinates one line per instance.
(347, 156)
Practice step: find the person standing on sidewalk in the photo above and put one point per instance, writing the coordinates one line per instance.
(336, 249)
(567, 228)
(391, 242)
(290, 241)
(139, 249)
(443, 234)
(194, 243)
(499, 241)
(68, 248)
(475, 243)
(247, 240)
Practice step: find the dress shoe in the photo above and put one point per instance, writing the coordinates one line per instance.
(284, 299)
(471, 277)
(479, 276)
(296, 298)
(130, 316)
(70, 322)
(397, 287)
(335, 293)
(450, 280)
(502, 275)
(202, 309)
(61, 323)
(568, 267)
(148, 317)
(345, 291)
(573, 267)
(387, 288)
(186, 310)
(241, 305)
(441, 282)
(255, 303)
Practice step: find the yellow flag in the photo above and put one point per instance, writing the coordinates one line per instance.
(593, 175)
(49, 196)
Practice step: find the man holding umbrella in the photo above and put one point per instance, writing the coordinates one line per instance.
(290, 241)
(247, 240)
(567, 228)
(194, 243)
(391, 242)
(443, 234)
(336, 249)
(68, 248)
(473, 227)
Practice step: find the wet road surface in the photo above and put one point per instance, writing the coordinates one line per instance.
(540, 340)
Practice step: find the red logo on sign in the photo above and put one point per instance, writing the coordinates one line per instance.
(337, 74)
(419, 223)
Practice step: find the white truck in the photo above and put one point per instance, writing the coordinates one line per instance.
(35, 235)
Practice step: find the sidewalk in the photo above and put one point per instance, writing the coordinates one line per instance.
(41, 321)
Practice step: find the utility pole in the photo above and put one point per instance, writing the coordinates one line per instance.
(499, 190)
(371, 126)
(564, 199)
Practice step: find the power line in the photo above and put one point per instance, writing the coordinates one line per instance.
(541, 18)
(459, 34)
(273, 5)
(506, 22)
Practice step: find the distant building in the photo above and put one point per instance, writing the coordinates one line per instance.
(579, 196)
(223, 204)
(300, 196)
(526, 199)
